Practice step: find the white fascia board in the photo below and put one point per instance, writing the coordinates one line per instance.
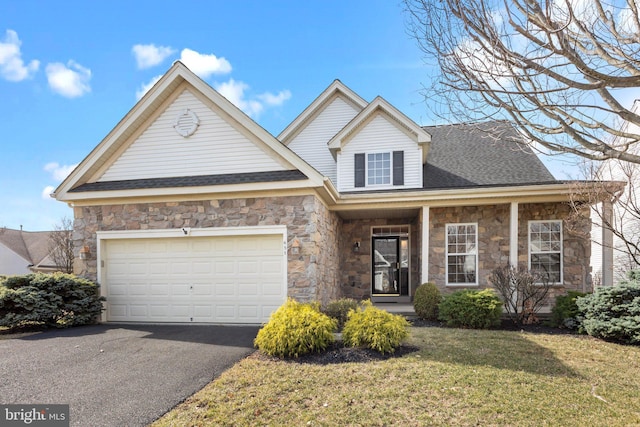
(235, 189)
(419, 134)
(533, 193)
(336, 87)
(160, 91)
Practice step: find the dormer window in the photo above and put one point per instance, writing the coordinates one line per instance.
(379, 169)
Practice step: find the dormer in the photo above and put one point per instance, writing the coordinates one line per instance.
(309, 133)
(380, 149)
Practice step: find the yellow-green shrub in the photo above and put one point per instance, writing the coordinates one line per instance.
(295, 329)
(375, 328)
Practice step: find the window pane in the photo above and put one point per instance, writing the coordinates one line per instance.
(461, 250)
(545, 246)
(379, 168)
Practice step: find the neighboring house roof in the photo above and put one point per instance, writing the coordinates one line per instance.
(483, 154)
(32, 246)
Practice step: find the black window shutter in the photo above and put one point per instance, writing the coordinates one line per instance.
(398, 168)
(359, 170)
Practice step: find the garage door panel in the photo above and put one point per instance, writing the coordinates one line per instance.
(236, 279)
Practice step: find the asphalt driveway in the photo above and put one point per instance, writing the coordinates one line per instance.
(118, 375)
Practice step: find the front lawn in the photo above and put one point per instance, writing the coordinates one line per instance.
(456, 377)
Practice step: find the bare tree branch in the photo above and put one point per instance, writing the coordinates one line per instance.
(61, 245)
(555, 68)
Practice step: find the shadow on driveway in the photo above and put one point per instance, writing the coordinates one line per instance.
(118, 374)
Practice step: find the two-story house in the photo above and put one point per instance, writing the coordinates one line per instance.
(189, 211)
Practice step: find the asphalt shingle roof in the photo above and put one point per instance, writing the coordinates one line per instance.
(192, 181)
(483, 154)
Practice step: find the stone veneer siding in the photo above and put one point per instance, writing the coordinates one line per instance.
(493, 241)
(355, 268)
(311, 228)
(576, 243)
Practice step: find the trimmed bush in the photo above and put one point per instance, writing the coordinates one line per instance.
(471, 309)
(296, 329)
(426, 300)
(339, 310)
(565, 312)
(374, 328)
(613, 313)
(53, 300)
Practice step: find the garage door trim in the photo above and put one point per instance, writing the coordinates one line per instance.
(178, 233)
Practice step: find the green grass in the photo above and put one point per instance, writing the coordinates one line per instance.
(458, 377)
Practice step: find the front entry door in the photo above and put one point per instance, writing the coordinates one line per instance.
(390, 266)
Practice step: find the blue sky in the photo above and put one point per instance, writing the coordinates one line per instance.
(69, 71)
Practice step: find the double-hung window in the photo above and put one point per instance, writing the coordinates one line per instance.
(545, 249)
(379, 169)
(462, 254)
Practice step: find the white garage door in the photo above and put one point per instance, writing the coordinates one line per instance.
(222, 279)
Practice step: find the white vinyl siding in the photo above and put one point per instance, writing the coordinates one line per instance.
(311, 143)
(218, 279)
(380, 135)
(215, 148)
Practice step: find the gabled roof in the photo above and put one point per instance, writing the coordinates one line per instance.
(32, 246)
(482, 154)
(86, 172)
(377, 106)
(336, 88)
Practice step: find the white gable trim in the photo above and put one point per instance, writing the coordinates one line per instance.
(378, 106)
(335, 89)
(165, 88)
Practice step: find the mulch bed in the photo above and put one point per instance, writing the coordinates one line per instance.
(337, 353)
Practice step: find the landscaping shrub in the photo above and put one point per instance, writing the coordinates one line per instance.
(339, 310)
(613, 313)
(471, 309)
(295, 329)
(426, 300)
(374, 328)
(565, 312)
(523, 292)
(58, 300)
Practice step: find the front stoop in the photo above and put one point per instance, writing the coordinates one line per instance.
(398, 308)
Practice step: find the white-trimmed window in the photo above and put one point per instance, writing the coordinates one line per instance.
(462, 254)
(545, 249)
(378, 168)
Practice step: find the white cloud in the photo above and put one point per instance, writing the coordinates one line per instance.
(204, 65)
(145, 87)
(150, 55)
(12, 67)
(46, 192)
(275, 100)
(57, 171)
(234, 91)
(71, 80)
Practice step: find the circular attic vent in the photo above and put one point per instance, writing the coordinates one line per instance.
(186, 123)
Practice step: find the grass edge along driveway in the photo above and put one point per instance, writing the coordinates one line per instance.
(457, 377)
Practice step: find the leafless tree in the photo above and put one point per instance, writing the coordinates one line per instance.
(611, 190)
(559, 70)
(61, 245)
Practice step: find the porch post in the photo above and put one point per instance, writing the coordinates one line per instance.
(513, 235)
(607, 243)
(424, 250)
